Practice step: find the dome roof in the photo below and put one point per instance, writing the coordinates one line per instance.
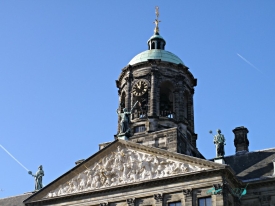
(155, 36)
(156, 54)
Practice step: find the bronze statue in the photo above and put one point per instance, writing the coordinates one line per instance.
(38, 177)
(125, 119)
(219, 141)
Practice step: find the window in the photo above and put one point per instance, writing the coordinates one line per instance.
(140, 128)
(174, 204)
(205, 201)
(153, 45)
(166, 106)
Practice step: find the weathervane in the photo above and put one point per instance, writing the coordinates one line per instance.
(156, 22)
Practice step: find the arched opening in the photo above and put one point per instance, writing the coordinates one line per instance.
(162, 45)
(158, 45)
(166, 101)
(153, 45)
(141, 108)
(122, 101)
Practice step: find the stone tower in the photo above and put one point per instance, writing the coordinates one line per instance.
(159, 88)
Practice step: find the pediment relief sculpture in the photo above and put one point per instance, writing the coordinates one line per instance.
(120, 167)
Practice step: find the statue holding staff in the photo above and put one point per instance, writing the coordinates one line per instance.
(38, 177)
(219, 141)
(125, 119)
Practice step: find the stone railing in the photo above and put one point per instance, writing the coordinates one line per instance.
(141, 114)
(167, 113)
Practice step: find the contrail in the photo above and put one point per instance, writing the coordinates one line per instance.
(14, 158)
(248, 62)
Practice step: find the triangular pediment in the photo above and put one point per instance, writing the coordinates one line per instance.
(123, 163)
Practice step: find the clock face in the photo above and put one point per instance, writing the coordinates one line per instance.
(140, 88)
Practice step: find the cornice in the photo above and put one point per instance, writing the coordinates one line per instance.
(147, 183)
(179, 67)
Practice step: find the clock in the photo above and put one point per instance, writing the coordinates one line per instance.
(140, 88)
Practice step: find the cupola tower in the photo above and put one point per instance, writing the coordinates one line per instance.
(157, 89)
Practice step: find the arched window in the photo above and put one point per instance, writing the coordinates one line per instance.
(153, 45)
(141, 108)
(122, 101)
(158, 45)
(166, 100)
(162, 45)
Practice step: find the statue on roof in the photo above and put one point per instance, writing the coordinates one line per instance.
(219, 141)
(38, 177)
(125, 120)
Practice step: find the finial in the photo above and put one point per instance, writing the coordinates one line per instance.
(156, 22)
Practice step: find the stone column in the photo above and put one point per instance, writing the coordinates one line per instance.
(189, 109)
(176, 105)
(128, 93)
(159, 199)
(181, 106)
(130, 201)
(219, 200)
(179, 91)
(188, 196)
(192, 110)
(153, 99)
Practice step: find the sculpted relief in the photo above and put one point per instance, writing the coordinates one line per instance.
(121, 167)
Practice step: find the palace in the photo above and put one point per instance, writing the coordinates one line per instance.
(154, 159)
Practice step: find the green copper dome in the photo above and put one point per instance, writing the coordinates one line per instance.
(156, 46)
(156, 54)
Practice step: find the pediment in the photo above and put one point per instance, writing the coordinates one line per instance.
(123, 163)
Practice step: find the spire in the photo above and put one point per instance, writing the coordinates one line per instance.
(156, 22)
(156, 41)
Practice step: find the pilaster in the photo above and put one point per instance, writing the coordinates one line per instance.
(130, 201)
(188, 197)
(181, 108)
(159, 199)
(153, 99)
(128, 93)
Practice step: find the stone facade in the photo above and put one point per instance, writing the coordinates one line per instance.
(168, 101)
(169, 139)
(157, 177)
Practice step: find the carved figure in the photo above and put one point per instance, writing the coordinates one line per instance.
(125, 119)
(219, 141)
(121, 167)
(38, 177)
(82, 179)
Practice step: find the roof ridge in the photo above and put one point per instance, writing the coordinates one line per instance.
(248, 152)
(17, 195)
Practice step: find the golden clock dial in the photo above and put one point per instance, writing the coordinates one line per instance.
(140, 88)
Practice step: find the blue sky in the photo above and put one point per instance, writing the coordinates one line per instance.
(59, 61)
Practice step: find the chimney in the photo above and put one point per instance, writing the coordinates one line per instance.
(240, 141)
